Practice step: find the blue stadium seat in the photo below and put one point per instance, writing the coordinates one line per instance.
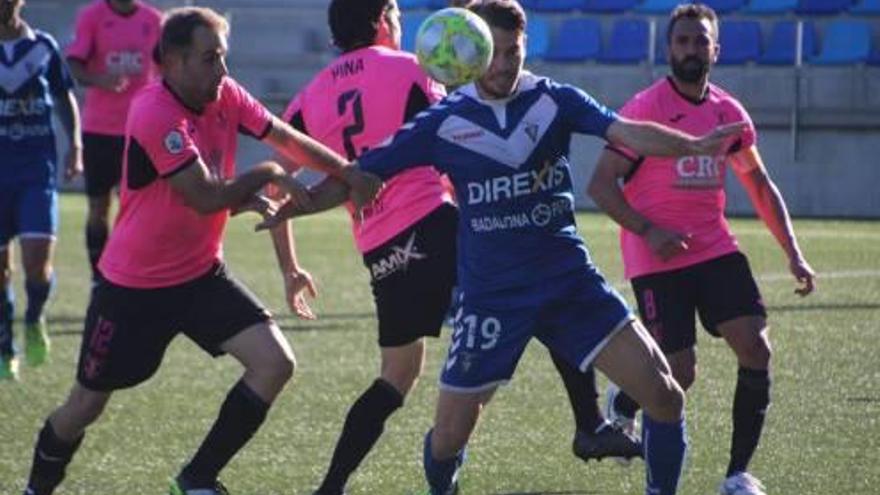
(866, 7)
(557, 5)
(437, 4)
(822, 7)
(657, 6)
(844, 42)
(609, 6)
(576, 40)
(740, 42)
(538, 38)
(628, 43)
(413, 4)
(725, 6)
(874, 59)
(410, 23)
(781, 47)
(770, 6)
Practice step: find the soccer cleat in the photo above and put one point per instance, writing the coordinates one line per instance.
(179, 487)
(608, 440)
(8, 367)
(617, 418)
(36, 343)
(741, 483)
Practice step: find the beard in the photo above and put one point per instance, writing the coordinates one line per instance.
(690, 69)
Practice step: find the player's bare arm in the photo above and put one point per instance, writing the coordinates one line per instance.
(650, 138)
(326, 195)
(604, 189)
(770, 205)
(68, 115)
(206, 193)
(116, 83)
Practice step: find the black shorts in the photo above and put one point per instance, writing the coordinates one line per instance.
(127, 330)
(102, 162)
(412, 276)
(719, 290)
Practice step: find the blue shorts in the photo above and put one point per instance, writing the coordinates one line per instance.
(27, 212)
(574, 314)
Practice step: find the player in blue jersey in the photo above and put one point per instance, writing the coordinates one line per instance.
(522, 269)
(33, 83)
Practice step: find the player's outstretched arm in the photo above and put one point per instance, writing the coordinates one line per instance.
(68, 115)
(206, 193)
(770, 205)
(328, 194)
(652, 139)
(297, 281)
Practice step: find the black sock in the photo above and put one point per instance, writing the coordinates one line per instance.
(96, 238)
(750, 403)
(363, 427)
(51, 457)
(625, 405)
(240, 417)
(582, 395)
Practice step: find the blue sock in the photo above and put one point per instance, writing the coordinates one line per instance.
(37, 295)
(441, 475)
(665, 447)
(7, 311)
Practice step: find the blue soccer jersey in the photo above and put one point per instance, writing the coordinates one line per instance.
(508, 161)
(32, 75)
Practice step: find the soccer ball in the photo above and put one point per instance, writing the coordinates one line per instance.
(454, 46)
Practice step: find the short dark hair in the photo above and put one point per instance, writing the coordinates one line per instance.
(180, 23)
(355, 23)
(503, 14)
(697, 11)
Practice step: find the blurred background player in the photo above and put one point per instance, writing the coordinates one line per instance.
(406, 236)
(163, 271)
(111, 55)
(33, 82)
(678, 249)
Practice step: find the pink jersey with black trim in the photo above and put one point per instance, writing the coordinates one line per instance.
(111, 43)
(357, 102)
(159, 241)
(681, 194)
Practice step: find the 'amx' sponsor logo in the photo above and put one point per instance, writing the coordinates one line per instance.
(397, 260)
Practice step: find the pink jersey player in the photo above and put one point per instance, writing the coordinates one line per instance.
(351, 106)
(682, 194)
(175, 243)
(109, 43)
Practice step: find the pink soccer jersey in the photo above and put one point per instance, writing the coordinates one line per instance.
(682, 194)
(353, 105)
(108, 42)
(159, 241)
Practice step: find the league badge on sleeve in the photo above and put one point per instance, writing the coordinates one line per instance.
(174, 142)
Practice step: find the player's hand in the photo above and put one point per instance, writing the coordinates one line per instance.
(364, 187)
(298, 283)
(719, 140)
(297, 193)
(73, 163)
(665, 243)
(259, 204)
(287, 211)
(804, 274)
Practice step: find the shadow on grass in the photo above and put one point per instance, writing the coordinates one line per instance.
(565, 492)
(783, 308)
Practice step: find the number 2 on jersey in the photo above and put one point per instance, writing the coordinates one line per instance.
(357, 110)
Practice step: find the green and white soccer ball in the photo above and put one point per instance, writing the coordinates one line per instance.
(454, 46)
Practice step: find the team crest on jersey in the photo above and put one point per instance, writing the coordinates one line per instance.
(174, 142)
(531, 130)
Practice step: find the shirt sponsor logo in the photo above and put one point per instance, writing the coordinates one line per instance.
(124, 62)
(539, 216)
(17, 132)
(174, 142)
(22, 107)
(507, 187)
(700, 172)
(397, 260)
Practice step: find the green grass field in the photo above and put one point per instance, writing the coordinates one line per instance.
(822, 434)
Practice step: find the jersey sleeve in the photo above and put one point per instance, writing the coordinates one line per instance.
(166, 139)
(412, 146)
(582, 112)
(293, 114)
(253, 118)
(58, 75)
(83, 37)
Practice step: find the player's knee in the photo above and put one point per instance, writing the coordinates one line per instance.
(82, 408)
(666, 401)
(449, 438)
(756, 353)
(38, 271)
(403, 376)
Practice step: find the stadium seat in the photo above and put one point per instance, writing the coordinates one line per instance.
(725, 6)
(609, 6)
(576, 40)
(740, 42)
(437, 4)
(822, 7)
(556, 5)
(874, 59)
(413, 4)
(538, 40)
(866, 7)
(844, 42)
(770, 6)
(410, 26)
(781, 47)
(628, 43)
(657, 6)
